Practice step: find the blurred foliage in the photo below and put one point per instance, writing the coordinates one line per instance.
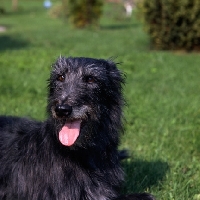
(57, 10)
(2, 9)
(83, 13)
(172, 24)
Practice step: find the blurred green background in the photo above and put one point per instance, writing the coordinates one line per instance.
(162, 90)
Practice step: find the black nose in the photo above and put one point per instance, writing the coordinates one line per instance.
(63, 110)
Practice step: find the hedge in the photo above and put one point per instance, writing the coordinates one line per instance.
(172, 24)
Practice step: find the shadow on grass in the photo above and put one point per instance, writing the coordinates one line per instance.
(141, 175)
(118, 26)
(7, 42)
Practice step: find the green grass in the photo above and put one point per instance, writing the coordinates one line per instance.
(162, 116)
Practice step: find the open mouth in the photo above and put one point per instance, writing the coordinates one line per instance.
(72, 119)
(70, 132)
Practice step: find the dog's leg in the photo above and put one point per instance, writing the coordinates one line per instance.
(2, 193)
(141, 196)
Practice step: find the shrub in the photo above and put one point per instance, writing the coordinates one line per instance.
(172, 24)
(83, 13)
(56, 11)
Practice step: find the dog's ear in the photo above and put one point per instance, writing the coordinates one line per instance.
(112, 65)
(113, 70)
(60, 62)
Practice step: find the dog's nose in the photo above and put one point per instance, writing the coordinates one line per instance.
(63, 110)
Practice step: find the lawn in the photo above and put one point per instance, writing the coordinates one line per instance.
(162, 91)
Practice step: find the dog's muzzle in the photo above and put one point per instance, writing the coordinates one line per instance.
(63, 110)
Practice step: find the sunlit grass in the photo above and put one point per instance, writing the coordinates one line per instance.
(162, 116)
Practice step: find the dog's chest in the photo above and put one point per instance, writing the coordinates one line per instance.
(51, 180)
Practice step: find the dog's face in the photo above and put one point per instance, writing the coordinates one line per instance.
(82, 91)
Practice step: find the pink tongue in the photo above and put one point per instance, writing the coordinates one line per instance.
(69, 132)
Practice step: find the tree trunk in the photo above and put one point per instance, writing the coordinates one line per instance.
(14, 5)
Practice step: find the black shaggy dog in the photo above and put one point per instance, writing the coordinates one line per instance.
(73, 154)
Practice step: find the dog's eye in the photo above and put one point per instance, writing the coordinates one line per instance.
(90, 79)
(61, 78)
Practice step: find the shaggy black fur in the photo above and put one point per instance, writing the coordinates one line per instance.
(42, 161)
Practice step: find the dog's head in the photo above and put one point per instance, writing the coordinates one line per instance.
(84, 92)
